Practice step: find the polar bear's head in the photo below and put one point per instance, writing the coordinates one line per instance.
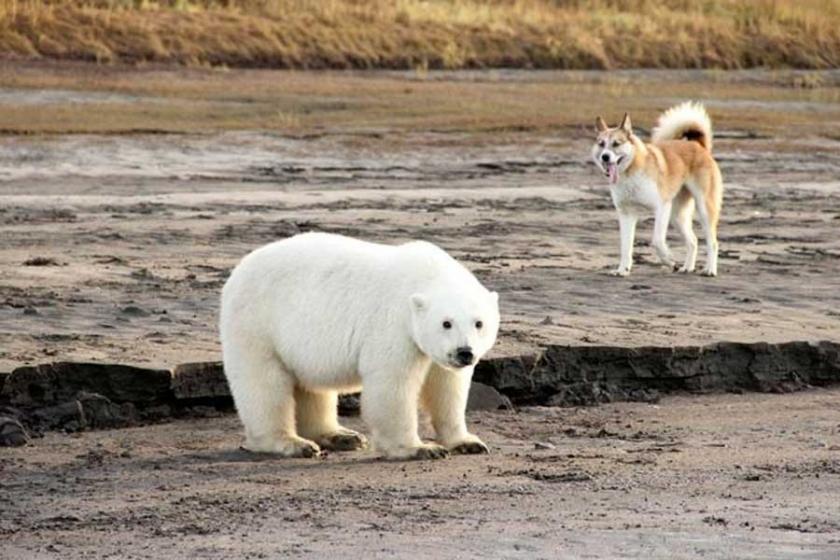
(455, 329)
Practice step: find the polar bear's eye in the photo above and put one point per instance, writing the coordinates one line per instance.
(447, 325)
(478, 325)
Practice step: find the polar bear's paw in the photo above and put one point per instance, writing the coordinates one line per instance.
(469, 444)
(422, 452)
(429, 451)
(343, 440)
(470, 448)
(286, 447)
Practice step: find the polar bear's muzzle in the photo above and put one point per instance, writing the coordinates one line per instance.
(464, 357)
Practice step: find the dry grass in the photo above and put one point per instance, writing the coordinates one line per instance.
(581, 34)
(488, 104)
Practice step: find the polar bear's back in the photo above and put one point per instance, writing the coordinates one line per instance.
(302, 274)
(316, 299)
(319, 261)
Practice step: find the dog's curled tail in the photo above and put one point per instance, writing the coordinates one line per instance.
(686, 121)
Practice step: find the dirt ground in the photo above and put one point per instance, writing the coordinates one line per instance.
(132, 235)
(733, 476)
(115, 246)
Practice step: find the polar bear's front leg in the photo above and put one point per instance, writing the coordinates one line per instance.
(445, 397)
(389, 407)
(317, 419)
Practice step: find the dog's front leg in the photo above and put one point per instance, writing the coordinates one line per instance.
(627, 227)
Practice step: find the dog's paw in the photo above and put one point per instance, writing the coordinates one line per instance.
(683, 270)
(709, 273)
(620, 272)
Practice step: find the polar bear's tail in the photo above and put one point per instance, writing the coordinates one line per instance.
(687, 121)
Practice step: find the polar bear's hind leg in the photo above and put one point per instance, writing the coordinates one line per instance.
(264, 395)
(317, 419)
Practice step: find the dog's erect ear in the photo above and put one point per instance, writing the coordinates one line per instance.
(626, 126)
(600, 125)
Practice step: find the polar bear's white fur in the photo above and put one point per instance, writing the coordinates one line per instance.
(317, 314)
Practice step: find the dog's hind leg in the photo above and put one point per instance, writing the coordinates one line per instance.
(707, 195)
(714, 203)
(660, 232)
(682, 215)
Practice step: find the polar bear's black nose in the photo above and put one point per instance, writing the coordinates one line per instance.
(464, 355)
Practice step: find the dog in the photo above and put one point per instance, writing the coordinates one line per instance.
(672, 175)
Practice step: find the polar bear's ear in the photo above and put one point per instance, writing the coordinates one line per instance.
(419, 302)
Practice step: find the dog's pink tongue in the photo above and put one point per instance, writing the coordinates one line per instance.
(612, 173)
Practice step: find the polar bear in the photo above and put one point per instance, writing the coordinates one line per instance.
(315, 315)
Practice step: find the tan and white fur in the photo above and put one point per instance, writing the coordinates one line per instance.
(672, 175)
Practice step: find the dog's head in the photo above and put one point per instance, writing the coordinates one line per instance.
(613, 150)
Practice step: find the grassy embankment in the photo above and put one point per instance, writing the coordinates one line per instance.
(415, 34)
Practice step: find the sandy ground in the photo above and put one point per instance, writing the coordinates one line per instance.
(114, 248)
(136, 232)
(137, 253)
(734, 476)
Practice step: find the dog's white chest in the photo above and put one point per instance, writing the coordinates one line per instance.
(636, 192)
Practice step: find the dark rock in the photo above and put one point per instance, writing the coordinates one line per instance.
(511, 376)
(582, 375)
(99, 412)
(12, 432)
(3, 377)
(58, 383)
(88, 411)
(68, 416)
(200, 380)
(201, 411)
(583, 394)
(134, 311)
(349, 405)
(40, 261)
(156, 413)
(11, 411)
(484, 397)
